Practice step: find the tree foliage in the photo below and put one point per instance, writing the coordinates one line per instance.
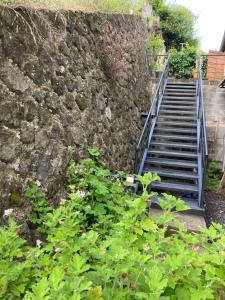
(177, 24)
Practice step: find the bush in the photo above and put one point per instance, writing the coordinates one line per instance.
(156, 44)
(182, 63)
(101, 243)
(213, 176)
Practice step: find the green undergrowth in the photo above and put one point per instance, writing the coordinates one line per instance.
(213, 176)
(105, 6)
(103, 242)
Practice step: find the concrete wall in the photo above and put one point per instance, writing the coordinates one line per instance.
(215, 119)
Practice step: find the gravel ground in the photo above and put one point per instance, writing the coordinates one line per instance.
(215, 208)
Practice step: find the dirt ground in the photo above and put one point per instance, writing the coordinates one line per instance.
(215, 208)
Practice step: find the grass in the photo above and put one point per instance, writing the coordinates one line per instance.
(106, 6)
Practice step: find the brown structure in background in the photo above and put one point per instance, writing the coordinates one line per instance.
(216, 63)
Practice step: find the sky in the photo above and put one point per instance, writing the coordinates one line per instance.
(210, 25)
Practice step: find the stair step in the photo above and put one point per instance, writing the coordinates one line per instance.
(178, 117)
(180, 90)
(164, 106)
(174, 144)
(184, 87)
(184, 112)
(172, 163)
(189, 103)
(180, 83)
(175, 187)
(177, 98)
(173, 173)
(183, 95)
(176, 130)
(183, 124)
(173, 153)
(175, 137)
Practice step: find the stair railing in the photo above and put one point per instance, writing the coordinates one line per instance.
(145, 136)
(201, 133)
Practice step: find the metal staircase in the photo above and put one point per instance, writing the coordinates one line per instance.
(173, 141)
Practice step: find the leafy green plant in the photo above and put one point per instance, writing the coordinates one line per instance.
(177, 24)
(103, 243)
(156, 44)
(40, 207)
(213, 176)
(182, 63)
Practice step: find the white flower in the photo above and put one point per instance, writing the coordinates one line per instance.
(56, 249)
(8, 212)
(62, 201)
(81, 193)
(39, 243)
(38, 183)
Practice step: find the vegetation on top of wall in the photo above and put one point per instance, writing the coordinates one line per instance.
(213, 176)
(103, 243)
(177, 24)
(183, 62)
(108, 6)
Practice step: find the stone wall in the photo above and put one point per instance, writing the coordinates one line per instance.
(67, 79)
(215, 119)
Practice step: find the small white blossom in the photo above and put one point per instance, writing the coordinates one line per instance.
(81, 193)
(8, 212)
(62, 201)
(56, 249)
(38, 183)
(39, 243)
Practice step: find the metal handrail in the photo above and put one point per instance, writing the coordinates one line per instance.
(201, 133)
(143, 139)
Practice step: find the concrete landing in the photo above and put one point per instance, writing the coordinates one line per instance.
(193, 223)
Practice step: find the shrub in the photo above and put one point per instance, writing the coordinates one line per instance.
(102, 243)
(182, 63)
(213, 176)
(156, 44)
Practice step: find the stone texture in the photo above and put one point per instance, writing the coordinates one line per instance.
(67, 79)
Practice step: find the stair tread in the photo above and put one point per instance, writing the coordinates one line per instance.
(181, 83)
(173, 136)
(174, 144)
(181, 111)
(175, 186)
(179, 103)
(173, 173)
(184, 87)
(178, 97)
(184, 124)
(178, 130)
(173, 153)
(177, 106)
(177, 117)
(172, 162)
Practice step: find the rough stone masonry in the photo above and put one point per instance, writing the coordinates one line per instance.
(67, 79)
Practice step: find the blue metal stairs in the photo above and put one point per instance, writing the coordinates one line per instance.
(173, 140)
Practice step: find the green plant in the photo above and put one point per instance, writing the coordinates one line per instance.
(177, 24)
(40, 207)
(156, 44)
(182, 63)
(102, 243)
(213, 176)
